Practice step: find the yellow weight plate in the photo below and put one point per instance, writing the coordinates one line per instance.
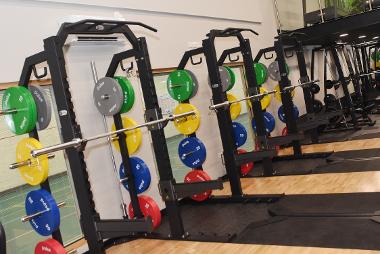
(265, 101)
(36, 170)
(133, 137)
(278, 94)
(235, 108)
(189, 124)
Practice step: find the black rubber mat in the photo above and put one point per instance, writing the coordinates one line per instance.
(338, 162)
(327, 204)
(348, 233)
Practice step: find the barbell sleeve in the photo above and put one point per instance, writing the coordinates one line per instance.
(27, 162)
(78, 141)
(301, 85)
(34, 215)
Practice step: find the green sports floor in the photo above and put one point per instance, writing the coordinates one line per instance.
(21, 239)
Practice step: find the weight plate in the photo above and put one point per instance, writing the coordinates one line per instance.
(192, 152)
(195, 83)
(108, 96)
(20, 99)
(224, 77)
(42, 201)
(37, 170)
(149, 208)
(284, 131)
(278, 93)
(261, 72)
(198, 176)
(330, 100)
(269, 122)
(49, 246)
(245, 168)
(180, 85)
(265, 101)
(128, 94)
(375, 56)
(240, 134)
(235, 108)
(189, 124)
(315, 88)
(140, 172)
(232, 77)
(317, 106)
(43, 106)
(274, 71)
(329, 84)
(133, 137)
(281, 113)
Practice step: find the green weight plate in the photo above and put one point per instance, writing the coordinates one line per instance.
(232, 77)
(20, 99)
(261, 72)
(129, 94)
(180, 85)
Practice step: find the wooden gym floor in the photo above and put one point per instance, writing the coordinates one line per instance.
(307, 184)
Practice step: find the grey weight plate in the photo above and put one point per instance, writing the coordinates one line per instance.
(195, 83)
(224, 77)
(108, 96)
(274, 71)
(43, 106)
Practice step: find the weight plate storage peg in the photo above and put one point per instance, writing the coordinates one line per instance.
(240, 134)
(278, 93)
(192, 152)
(43, 106)
(34, 171)
(180, 85)
(108, 96)
(47, 216)
(198, 176)
(245, 168)
(133, 137)
(128, 94)
(261, 72)
(281, 113)
(140, 172)
(269, 122)
(149, 208)
(235, 108)
(232, 77)
(195, 83)
(274, 71)
(49, 246)
(20, 110)
(189, 124)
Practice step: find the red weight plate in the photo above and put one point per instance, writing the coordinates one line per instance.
(245, 168)
(149, 208)
(198, 176)
(49, 246)
(284, 131)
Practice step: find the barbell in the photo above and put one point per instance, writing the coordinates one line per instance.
(75, 143)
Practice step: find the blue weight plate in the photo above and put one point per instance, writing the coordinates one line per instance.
(281, 113)
(240, 134)
(42, 201)
(192, 152)
(269, 122)
(141, 173)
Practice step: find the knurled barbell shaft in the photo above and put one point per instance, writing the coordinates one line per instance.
(368, 74)
(78, 141)
(27, 162)
(8, 111)
(227, 103)
(32, 216)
